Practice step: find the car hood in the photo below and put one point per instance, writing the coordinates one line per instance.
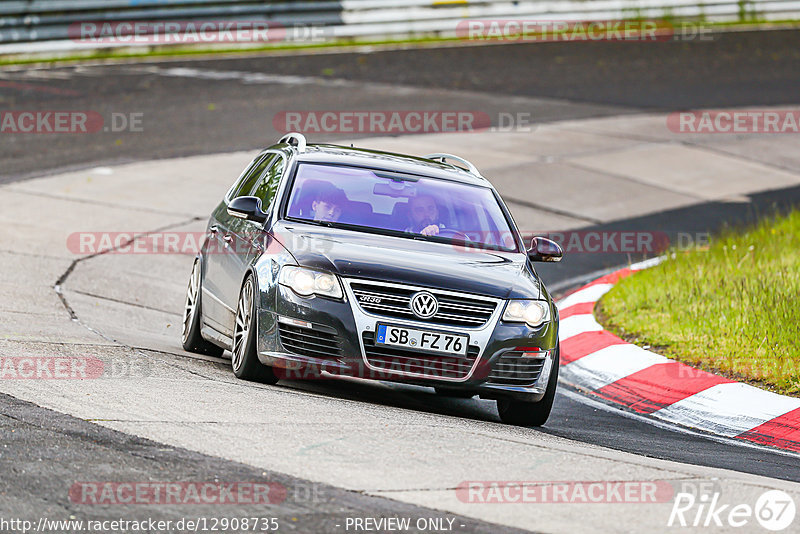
(364, 255)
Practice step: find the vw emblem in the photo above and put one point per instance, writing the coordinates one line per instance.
(424, 305)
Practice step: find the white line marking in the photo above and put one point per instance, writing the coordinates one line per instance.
(243, 77)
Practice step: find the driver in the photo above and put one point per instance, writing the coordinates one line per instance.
(424, 215)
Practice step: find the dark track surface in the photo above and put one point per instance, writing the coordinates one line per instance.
(578, 421)
(47, 451)
(191, 115)
(731, 69)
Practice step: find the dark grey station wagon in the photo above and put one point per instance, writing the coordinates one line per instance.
(325, 260)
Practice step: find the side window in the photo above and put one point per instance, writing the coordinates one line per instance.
(250, 179)
(268, 186)
(245, 173)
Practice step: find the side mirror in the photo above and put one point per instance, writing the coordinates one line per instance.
(543, 249)
(248, 208)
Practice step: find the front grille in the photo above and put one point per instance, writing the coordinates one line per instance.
(513, 369)
(388, 358)
(309, 342)
(390, 301)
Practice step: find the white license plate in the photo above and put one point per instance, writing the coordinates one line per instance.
(422, 339)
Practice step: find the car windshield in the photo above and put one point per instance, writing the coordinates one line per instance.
(399, 204)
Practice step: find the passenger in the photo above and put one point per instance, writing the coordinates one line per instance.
(328, 203)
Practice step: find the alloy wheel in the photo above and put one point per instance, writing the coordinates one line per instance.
(242, 329)
(190, 309)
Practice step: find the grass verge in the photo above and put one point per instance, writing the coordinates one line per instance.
(176, 51)
(732, 309)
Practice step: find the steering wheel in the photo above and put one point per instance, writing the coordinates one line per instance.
(453, 234)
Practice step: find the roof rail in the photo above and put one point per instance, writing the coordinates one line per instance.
(444, 157)
(295, 139)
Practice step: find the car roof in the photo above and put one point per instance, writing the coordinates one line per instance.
(361, 157)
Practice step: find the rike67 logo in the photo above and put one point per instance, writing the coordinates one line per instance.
(774, 510)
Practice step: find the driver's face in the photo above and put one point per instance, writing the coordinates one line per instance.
(424, 211)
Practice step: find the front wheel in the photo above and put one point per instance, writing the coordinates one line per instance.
(523, 413)
(244, 360)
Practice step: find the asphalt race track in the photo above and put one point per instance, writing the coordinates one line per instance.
(349, 448)
(551, 81)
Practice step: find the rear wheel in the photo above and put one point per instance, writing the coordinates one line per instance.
(523, 413)
(244, 360)
(192, 318)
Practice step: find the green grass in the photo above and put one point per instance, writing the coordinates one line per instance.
(733, 309)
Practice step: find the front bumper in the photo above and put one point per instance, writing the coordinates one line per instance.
(320, 334)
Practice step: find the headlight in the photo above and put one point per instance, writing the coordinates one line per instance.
(533, 312)
(306, 282)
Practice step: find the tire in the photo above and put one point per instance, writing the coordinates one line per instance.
(191, 339)
(523, 413)
(244, 360)
(454, 393)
